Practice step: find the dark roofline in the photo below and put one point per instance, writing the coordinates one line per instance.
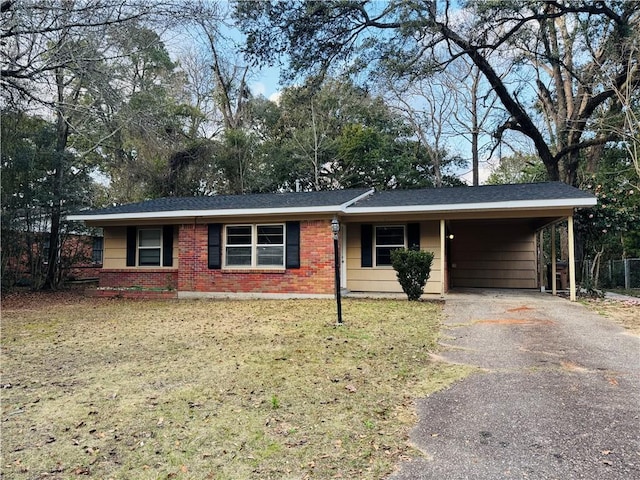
(356, 201)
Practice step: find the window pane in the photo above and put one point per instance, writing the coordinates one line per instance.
(98, 247)
(238, 256)
(149, 238)
(383, 255)
(149, 257)
(240, 235)
(271, 256)
(270, 235)
(390, 236)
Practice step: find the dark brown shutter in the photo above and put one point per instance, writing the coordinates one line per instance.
(131, 246)
(167, 246)
(215, 246)
(413, 236)
(366, 245)
(293, 245)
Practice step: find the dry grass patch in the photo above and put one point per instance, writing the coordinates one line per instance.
(625, 313)
(214, 389)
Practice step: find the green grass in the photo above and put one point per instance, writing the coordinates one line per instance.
(214, 389)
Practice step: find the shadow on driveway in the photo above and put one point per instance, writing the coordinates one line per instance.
(557, 395)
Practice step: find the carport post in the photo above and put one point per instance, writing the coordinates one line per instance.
(541, 259)
(554, 289)
(572, 260)
(442, 259)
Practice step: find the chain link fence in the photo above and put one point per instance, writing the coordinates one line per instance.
(623, 273)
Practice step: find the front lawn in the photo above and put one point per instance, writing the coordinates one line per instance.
(213, 389)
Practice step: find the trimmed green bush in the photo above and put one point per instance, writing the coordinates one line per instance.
(413, 268)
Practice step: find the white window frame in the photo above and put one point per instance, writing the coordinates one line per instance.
(376, 246)
(255, 246)
(139, 247)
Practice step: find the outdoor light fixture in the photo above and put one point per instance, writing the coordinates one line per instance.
(335, 228)
(451, 236)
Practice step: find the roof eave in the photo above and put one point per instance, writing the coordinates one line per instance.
(345, 209)
(235, 212)
(478, 207)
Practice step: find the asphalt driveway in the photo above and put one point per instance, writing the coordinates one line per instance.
(557, 395)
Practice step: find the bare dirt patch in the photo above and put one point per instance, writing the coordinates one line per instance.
(514, 321)
(625, 313)
(212, 389)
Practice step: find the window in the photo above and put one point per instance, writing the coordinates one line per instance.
(98, 249)
(254, 246)
(239, 249)
(149, 247)
(388, 238)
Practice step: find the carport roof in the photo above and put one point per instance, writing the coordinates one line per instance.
(486, 197)
(482, 194)
(352, 201)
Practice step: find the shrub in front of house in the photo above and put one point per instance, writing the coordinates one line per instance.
(413, 268)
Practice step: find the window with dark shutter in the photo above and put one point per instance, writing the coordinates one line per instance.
(214, 246)
(366, 245)
(388, 238)
(131, 246)
(293, 245)
(413, 236)
(167, 246)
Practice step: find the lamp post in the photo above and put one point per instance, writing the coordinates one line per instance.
(335, 228)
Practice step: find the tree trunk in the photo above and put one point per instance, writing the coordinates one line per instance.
(475, 129)
(51, 280)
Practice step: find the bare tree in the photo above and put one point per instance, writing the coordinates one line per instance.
(54, 57)
(428, 106)
(567, 42)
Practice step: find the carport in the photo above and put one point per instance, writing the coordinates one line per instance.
(482, 237)
(506, 253)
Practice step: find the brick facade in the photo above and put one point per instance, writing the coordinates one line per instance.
(159, 278)
(315, 275)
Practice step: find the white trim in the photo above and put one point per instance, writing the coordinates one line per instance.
(478, 207)
(572, 259)
(343, 257)
(180, 214)
(403, 226)
(229, 212)
(345, 205)
(554, 260)
(443, 266)
(139, 247)
(254, 247)
(344, 209)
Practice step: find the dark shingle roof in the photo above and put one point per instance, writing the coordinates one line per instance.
(236, 202)
(488, 197)
(473, 195)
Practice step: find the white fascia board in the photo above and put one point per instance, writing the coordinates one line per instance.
(176, 214)
(475, 207)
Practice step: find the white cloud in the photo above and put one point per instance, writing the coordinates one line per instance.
(484, 170)
(275, 96)
(258, 88)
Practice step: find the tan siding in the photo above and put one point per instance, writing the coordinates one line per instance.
(115, 247)
(493, 254)
(383, 279)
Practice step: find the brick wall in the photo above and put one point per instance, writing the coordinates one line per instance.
(139, 277)
(315, 275)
